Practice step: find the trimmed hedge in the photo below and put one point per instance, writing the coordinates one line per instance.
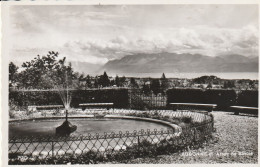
(121, 98)
(223, 98)
(248, 98)
(25, 98)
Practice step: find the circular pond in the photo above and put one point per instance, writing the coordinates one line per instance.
(84, 126)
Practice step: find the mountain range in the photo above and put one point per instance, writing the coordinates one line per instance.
(173, 62)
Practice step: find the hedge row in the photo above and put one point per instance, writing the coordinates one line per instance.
(223, 98)
(121, 97)
(248, 98)
(25, 98)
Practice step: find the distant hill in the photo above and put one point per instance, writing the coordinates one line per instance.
(172, 62)
(87, 68)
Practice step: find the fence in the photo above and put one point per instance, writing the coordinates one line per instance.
(140, 100)
(113, 144)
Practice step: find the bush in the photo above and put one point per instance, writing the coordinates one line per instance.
(25, 98)
(223, 98)
(248, 98)
(185, 96)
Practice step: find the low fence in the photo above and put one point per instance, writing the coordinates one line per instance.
(113, 144)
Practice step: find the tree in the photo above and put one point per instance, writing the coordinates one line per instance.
(117, 81)
(133, 83)
(146, 89)
(209, 86)
(155, 86)
(165, 82)
(104, 80)
(12, 73)
(122, 80)
(88, 82)
(96, 82)
(163, 76)
(46, 72)
(229, 84)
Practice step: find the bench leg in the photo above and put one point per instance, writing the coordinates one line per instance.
(236, 113)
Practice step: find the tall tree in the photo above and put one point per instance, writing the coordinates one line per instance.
(133, 83)
(163, 76)
(155, 86)
(146, 89)
(164, 83)
(104, 80)
(88, 82)
(117, 81)
(12, 73)
(122, 80)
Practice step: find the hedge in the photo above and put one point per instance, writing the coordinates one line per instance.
(223, 98)
(25, 98)
(248, 98)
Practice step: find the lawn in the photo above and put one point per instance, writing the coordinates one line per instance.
(235, 141)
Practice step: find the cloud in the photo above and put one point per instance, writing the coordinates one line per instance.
(204, 40)
(97, 34)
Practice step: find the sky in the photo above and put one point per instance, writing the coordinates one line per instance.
(99, 33)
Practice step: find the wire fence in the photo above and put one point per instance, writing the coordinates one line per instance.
(113, 143)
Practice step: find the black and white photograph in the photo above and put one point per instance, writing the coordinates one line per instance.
(129, 83)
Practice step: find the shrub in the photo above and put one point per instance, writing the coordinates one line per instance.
(223, 98)
(25, 98)
(248, 98)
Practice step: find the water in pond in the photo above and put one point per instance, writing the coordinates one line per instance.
(84, 126)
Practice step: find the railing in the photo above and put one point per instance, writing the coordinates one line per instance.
(105, 144)
(141, 100)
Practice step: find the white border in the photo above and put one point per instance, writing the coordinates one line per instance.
(4, 60)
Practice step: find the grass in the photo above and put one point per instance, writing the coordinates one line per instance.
(235, 142)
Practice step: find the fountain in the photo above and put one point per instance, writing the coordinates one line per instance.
(66, 128)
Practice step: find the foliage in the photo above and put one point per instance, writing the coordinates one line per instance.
(45, 72)
(133, 83)
(164, 83)
(248, 98)
(156, 86)
(26, 98)
(12, 73)
(146, 89)
(223, 98)
(207, 79)
(104, 80)
(229, 84)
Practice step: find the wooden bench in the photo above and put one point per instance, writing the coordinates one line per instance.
(97, 105)
(244, 109)
(198, 106)
(35, 108)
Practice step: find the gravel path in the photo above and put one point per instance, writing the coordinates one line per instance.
(235, 141)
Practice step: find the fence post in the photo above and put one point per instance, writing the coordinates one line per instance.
(52, 148)
(194, 135)
(138, 144)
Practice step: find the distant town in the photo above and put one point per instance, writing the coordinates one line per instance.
(48, 72)
(210, 82)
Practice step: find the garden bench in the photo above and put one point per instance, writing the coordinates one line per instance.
(244, 109)
(35, 108)
(207, 107)
(97, 105)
